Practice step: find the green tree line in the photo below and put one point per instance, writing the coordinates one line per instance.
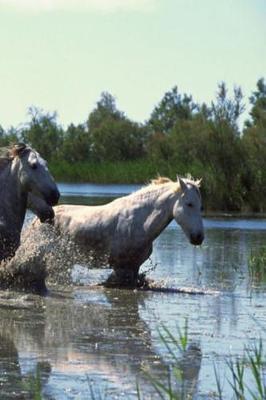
(181, 136)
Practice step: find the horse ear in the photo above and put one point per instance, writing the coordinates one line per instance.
(182, 184)
(198, 182)
(19, 148)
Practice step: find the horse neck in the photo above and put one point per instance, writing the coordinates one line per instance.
(157, 211)
(13, 199)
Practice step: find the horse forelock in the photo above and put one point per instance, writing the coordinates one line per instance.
(19, 149)
(9, 153)
(195, 184)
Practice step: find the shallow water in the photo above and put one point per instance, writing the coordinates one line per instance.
(80, 340)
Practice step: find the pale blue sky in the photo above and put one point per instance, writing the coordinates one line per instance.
(61, 54)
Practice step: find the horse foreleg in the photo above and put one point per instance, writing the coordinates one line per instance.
(126, 268)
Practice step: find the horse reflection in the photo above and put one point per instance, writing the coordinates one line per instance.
(13, 383)
(98, 335)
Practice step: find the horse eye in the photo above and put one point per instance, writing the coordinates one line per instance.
(190, 205)
(201, 209)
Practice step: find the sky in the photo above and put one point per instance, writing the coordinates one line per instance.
(59, 55)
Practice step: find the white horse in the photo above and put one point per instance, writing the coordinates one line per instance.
(22, 172)
(125, 229)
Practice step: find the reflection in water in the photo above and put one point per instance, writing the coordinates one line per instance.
(95, 336)
(103, 338)
(14, 384)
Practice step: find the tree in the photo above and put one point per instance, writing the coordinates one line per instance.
(43, 133)
(228, 109)
(254, 142)
(258, 101)
(105, 109)
(9, 136)
(173, 107)
(76, 144)
(113, 136)
(117, 140)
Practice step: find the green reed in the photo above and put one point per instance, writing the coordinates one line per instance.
(137, 171)
(176, 347)
(253, 364)
(33, 385)
(257, 265)
(246, 374)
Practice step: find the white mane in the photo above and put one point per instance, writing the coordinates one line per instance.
(157, 185)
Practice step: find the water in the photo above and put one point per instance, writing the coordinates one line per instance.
(78, 341)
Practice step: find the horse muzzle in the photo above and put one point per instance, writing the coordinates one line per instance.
(53, 197)
(197, 238)
(47, 215)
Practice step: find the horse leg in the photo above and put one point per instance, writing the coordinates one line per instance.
(121, 277)
(126, 269)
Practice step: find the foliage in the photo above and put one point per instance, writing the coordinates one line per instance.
(257, 265)
(136, 171)
(254, 148)
(178, 349)
(226, 109)
(180, 136)
(172, 108)
(43, 133)
(10, 136)
(252, 364)
(117, 140)
(113, 136)
(76, 144)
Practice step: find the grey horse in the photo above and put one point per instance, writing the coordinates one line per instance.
(22, 171)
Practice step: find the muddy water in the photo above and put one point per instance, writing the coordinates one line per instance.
(82, 343)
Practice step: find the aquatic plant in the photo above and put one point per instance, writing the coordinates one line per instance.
(33, 385)
(253, 365)
(247, 374)
(181, 374)
(257, 265)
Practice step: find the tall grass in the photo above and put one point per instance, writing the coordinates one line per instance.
(138, 171)
(182, 355)
(33, 385)
(257, 265)
(246, 375)
(252, 364)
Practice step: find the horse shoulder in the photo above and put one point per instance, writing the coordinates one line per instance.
(83, 222)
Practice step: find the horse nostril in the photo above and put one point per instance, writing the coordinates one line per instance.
(197, 238)
(200, 237)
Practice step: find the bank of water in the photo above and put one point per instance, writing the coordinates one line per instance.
(78, 341)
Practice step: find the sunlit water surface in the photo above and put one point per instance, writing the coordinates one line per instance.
(82, 343)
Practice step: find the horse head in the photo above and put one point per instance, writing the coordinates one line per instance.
(33, 174)
(187, 210)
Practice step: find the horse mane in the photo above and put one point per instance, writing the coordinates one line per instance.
(8, 153)
(18, 149)
(188, 179)
(160, 180)
(158, 184)
(5, 157)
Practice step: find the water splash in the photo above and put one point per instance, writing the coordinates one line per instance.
(46, 257)
(42, 256)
